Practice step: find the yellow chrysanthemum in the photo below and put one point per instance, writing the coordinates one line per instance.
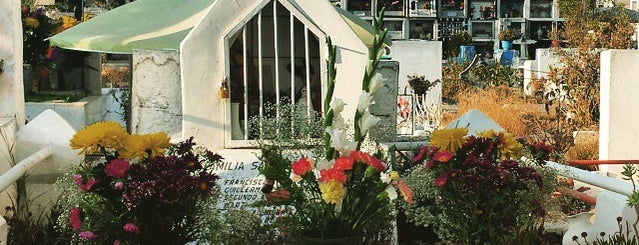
(139, 146)
(109, 135)
(68, 22)
(31, 22)
(508, 145)
(449, 139)
(332, 191)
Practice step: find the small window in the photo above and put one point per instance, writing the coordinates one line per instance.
(273, 59)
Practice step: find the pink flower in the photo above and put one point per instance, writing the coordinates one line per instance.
(117, 168)
(443, 156)
(84, 186)
(131, 228)
(74, 218)
(116, 242)
(118, 185)
(87, 235)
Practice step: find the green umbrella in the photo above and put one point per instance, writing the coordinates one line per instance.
(143, 24)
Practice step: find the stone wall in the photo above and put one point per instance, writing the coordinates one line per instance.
(11, 90)
(156, 101)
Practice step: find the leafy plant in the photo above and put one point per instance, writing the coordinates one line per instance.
(420, 85)
(508, 35)
(472, 189)
(136, 194)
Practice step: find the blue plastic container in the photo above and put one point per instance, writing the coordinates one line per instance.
(466, 53)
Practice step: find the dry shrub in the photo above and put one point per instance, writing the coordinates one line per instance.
(585, 149)
(503, 104)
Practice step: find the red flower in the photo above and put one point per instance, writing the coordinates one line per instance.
(344, 163)
(441, 179)
(332, 174)
(117, 168)
(131, 228)
(443, 156)
(84, 186)
(302, 166)
(74, 218)
(368, 159)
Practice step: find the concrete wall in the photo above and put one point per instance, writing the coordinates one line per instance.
(156, 101)
(421, 58)
(11, 90)
(79, 114)
(202, 64)
(545, 58)
(7, 139)
(618, 132)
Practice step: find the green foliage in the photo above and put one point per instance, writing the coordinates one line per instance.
(457, 196)
(451, 46)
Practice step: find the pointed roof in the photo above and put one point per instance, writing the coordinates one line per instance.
(476, 121)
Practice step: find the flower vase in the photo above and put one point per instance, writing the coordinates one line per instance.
(577, 224)
(236, 129)
(349, 240)
(506, 45)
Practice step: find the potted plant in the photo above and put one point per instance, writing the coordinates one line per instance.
(142, 190)
(506, 37)
(459, 44)
(476, 190)
(341, 195)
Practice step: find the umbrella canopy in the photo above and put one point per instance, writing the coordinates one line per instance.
(157, 25)
(143, 24)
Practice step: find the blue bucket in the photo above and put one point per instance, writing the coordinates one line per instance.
(466, 53)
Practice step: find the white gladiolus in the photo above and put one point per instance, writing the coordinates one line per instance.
(366, 122)
(338, 122)
(338, 106)
(365, 100)
(323, 164)
(340, 142)
(385, 177)
(376, 82)
(392, 193)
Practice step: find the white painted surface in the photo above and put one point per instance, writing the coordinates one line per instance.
(48, 129)
(239, 176)
(79, 114)
(7, 139)
(156, 104)
(530, 68)
(619, 91)
(11, 90)
(112, 101)
(421, 58)
(545, 59)
(202, 63)
(476, 121)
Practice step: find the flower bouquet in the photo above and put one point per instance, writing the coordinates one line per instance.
(344, 192)
(476, 190)
(136, 194)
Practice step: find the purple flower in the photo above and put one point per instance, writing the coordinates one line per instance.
(87, 235)
(118, 185)
(131, 228)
